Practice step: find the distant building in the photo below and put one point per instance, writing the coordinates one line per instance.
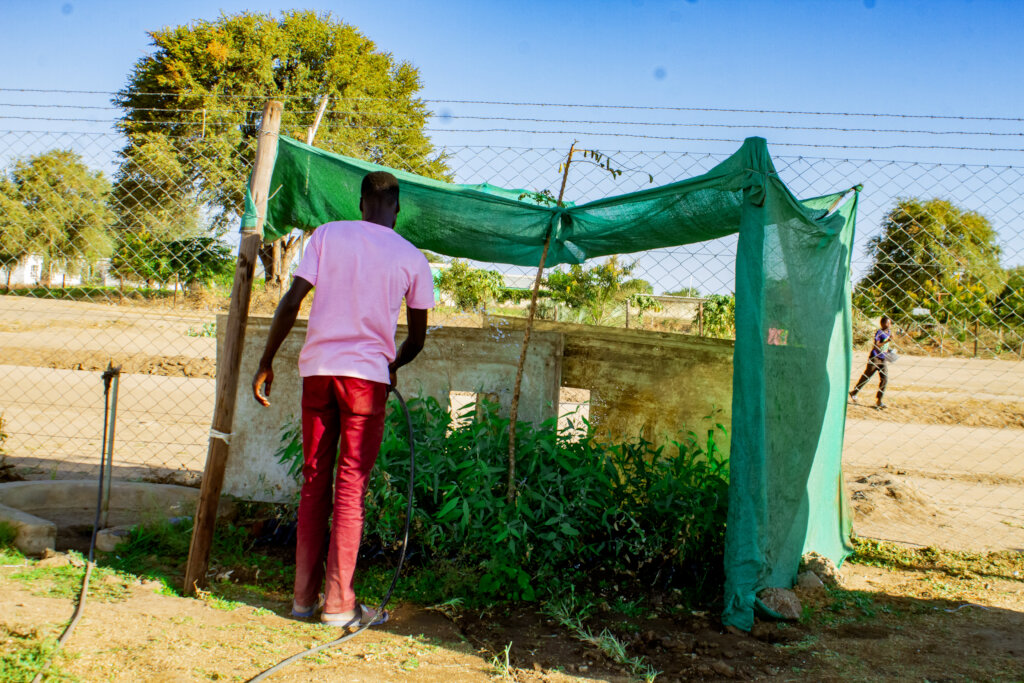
(28, 272)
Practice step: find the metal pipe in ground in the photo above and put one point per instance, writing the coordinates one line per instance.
(106, 463)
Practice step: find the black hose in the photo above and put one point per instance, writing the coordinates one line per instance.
(108, 375)
(394, 580)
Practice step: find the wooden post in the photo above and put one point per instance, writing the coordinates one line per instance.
(311, 131)
(700, 318)
(975, 338)
(510, 492)
(627, 313)
(228, 371)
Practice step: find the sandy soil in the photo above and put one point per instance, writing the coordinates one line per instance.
(889, 624)
(953, 433)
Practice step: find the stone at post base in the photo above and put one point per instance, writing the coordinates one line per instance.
(809, 581)
(823, 567)
(783, 602)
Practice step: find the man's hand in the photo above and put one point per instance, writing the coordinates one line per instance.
(264, 376)
(393, 372)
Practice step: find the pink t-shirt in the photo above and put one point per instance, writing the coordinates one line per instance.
(361, 272)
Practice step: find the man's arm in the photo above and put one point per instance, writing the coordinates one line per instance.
(416, 319)
(284, 318)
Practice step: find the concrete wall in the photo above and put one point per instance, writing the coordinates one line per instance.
(642, 383)
(454, 359)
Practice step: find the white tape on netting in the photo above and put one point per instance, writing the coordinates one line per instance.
(223, 436)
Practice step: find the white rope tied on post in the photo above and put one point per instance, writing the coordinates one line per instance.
(223, 436)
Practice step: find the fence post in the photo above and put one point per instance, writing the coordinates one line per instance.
(700, 318)
(975, 338)
(227, 374)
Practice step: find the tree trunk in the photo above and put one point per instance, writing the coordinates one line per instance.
(276, 258)
(269, 266)
(289, 249)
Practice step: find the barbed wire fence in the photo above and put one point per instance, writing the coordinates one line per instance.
(92, 274)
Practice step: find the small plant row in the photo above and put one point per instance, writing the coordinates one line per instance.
(627, 510)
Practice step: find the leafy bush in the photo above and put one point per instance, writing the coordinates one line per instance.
(598, 290)
(470, 288)
(622, 511)
(719, 311)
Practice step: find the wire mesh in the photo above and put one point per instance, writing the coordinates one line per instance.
(122, 256)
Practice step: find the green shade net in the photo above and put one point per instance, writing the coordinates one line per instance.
(793, 320)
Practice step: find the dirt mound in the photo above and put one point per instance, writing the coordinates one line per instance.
(140, 364)
(963, 411)
(890, 496)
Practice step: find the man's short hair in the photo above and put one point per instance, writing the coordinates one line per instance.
(381, 186)
(884, 318)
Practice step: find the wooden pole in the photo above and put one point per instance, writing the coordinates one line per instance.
(975, 338)
(228, 371)
(700, 318)
(510, 493)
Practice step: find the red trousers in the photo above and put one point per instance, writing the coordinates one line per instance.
(351, 411)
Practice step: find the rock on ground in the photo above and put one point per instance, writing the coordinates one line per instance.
(823, 567)
(809, 581)
(783, 601)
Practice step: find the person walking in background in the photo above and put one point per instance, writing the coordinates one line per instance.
(878, 361)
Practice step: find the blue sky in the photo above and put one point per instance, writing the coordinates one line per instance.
(934, 56)
(939, 57)
(945, 57)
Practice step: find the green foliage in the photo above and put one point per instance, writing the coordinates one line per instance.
(691, 292)
(192, 111)
(52, 204)
(8, 532)
(470, 288)
(926, 249)
(432, 257)
(191, 261)
(22, 655)
(1008, 306)
(643, 303)
(719, 312)
(157, 549)
(627, 510)
(597, 290)
(206, 330)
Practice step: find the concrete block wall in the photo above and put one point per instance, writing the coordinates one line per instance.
(641, 383)
(479, 360)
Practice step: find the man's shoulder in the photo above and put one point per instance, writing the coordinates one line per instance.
(406, 249)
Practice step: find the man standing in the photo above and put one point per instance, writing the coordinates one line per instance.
(878, 361)
(361, 270)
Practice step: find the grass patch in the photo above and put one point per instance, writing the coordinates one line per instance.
(952, 574)
(22, 655)
(105, 585)
(571, 613)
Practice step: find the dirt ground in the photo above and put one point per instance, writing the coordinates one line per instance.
(926, 621)
(943, 465)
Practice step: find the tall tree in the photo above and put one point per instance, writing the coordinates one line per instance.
(14, 245)
(192, 112)
(53, 205)
(929, 248)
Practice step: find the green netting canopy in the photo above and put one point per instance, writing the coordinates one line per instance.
(791, 363)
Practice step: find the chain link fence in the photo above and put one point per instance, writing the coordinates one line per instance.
(114, 258)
